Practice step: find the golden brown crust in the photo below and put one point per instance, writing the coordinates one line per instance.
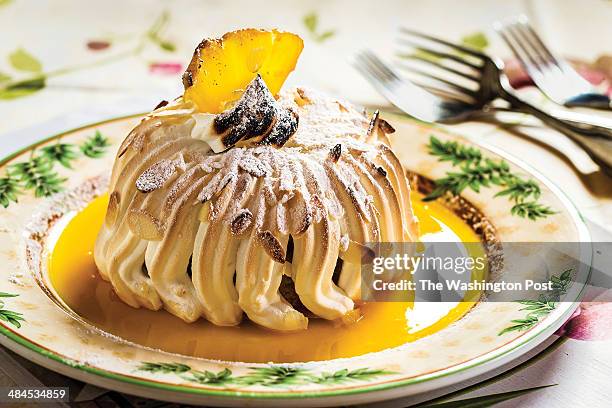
(272, 246)
(213, 230)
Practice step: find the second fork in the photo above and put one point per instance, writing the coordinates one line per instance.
(555, 77)
(487, 81)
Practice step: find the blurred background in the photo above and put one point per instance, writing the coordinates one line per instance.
(120, 57)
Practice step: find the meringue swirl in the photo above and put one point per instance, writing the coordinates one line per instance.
(272, 232)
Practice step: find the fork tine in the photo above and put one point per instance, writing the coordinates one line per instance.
(442, 66)
(524, 23)
(366, 62)
(363, 68)
(368, 75)
(382, 85)
(439, 54)
(522, 38)
(451, 84)
(407, 96)
(446, 93)
(375, 61)
(517, 48)
(458, 47)
(574, 82)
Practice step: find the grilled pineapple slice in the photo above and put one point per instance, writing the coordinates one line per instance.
(222, 68)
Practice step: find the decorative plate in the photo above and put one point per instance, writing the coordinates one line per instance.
(44, 185)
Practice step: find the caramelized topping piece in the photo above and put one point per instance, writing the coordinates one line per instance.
(271, 245)
(335, 152)
(256, 119)
(385, 126)
(161, 104)
(156, 175)
(285, 126)
(379, 129)
(252, 116)
(241, 221)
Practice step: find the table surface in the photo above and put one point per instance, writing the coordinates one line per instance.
(105, 59)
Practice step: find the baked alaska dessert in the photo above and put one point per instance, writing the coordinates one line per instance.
(239, 199)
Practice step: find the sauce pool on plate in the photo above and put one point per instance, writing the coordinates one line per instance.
(72, 274)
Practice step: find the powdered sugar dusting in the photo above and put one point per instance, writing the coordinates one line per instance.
(256, 119)
(310, 178)
(237, 207)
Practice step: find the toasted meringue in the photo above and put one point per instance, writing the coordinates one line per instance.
(204, 229)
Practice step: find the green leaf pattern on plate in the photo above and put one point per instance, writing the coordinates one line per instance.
(95, 146)
(62, 153)
(542, 306)
(272, 376)
(476, 172)
(38, 173)
(9, 316)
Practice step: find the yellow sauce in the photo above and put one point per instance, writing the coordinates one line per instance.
(74, 277)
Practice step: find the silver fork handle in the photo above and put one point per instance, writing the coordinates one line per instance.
(595, 140)
(583, 121)
(580, 117)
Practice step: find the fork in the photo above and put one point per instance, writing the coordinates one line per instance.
(554, 76)
(447, 101)
(409, 97)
